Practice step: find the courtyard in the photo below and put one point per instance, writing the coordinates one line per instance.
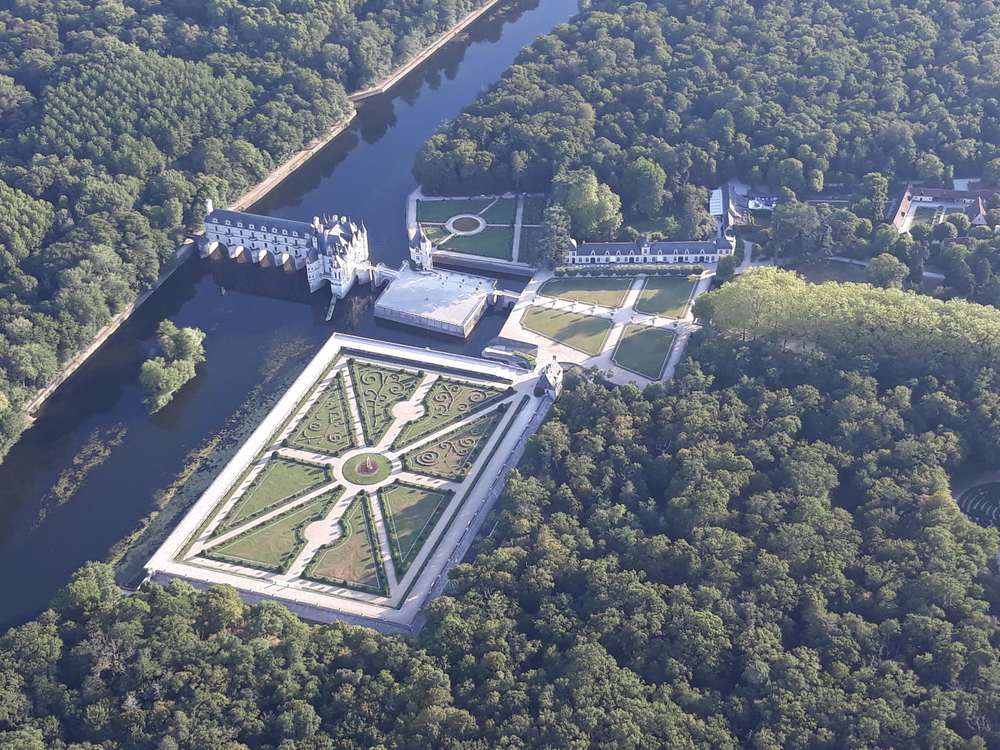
(348, 496)
(631, 326)
(500, 227)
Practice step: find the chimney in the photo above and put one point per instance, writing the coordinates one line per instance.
(209, 206)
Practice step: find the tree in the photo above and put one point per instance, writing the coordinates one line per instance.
(726, 269)
(161, 377)
(555, 236)
(875, 195)
(643, 186)
(594, 209)
(887, 271)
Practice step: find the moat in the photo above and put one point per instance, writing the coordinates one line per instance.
(95, 464)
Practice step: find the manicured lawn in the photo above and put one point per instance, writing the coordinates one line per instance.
(607, 291)
(531, 238)
(492, 242)
(584, 333)
(280, 480)
(377, 389)
(923, 215)
(326, 427)
(501, 212)
(644, 350)
(442, 210)
(665, 225)
(453, 454)
(275, 544)
(821, 271)
(410, 514)
(447, 401)
(352, 560)
(435, 233)
(355, 470)
(534, 210)
(665, 295)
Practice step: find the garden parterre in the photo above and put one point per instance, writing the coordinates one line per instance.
(360, 478)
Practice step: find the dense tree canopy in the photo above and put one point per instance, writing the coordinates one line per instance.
(117, 120)
(763, 553)
(797, 94)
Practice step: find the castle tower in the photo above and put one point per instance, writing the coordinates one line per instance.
(421, 248)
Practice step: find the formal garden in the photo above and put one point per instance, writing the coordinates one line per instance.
(604, 291)
(644, 349)
(585, 333)
(485, 226)
(374, 451)
(667, 296)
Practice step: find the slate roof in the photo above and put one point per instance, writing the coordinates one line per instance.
(660, 247)
(274, 223)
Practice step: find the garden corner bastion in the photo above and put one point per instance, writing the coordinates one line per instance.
(365, 483)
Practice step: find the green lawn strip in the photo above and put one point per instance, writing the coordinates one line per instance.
(501, 212)
(644, 350)
(530, 247)
(439, 211)
(435, 233)
(585, 333)
(410, 514)
(451, 456)
(353, 561)
(326, 427)
(607, 291)
(665, 295)
(465, 496)
(281, 480)
(447, 401)
(275, 544)
(377, 389)
(492, 242)
(534, 209)
(822, 271)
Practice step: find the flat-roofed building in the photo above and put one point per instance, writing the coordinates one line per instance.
(442, 301)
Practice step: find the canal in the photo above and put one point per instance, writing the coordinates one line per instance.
(96, 464)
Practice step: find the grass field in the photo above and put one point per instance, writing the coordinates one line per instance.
(273, 545)
(492, 242)
(821, 271)
(665, 295)
(501, 212)
(442, 210)
(584, 333)
(452, 455)
(280, 479)
(534, 210)
(607, 291)
(644, 350)
(377, 389)
(531, 240)
(436, 233)
(923, 215)
(326, 427)
(447, 401)
(410, 514)
(351, 560)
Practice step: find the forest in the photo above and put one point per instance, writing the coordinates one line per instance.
(762, 552)
(645, 106)
(118, 118)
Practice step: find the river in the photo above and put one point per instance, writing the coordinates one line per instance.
(95, 464)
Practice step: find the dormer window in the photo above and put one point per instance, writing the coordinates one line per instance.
(228, 223)
(284, 232)
(239, 224)
(251, 226)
